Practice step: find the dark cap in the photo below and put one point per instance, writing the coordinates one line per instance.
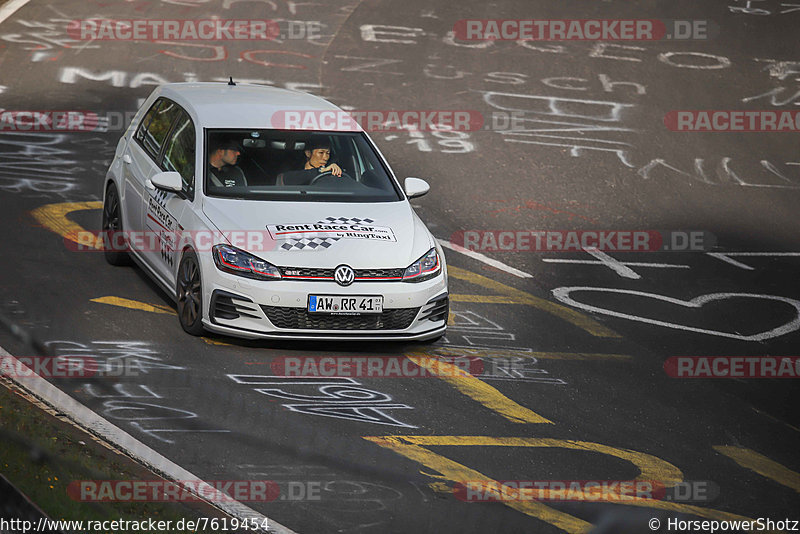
(229, 144)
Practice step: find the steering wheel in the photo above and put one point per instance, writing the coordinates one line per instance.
(326, 173)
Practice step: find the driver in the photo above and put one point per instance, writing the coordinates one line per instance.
(222, 167)
(318, 152)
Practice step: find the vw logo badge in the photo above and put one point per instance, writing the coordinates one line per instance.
(344, 275)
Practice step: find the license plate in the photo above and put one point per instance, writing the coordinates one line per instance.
(345, 305)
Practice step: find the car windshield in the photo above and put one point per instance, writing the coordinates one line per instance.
(296, 166)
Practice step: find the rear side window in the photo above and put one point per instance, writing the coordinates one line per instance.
(179, 156)
(147, 118)
(156, 125)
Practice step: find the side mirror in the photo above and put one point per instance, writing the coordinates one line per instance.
(416, 187)
(169, 181)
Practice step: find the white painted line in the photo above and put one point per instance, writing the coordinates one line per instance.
(613, 264)
(88, 420)
(485, 259)
(776, 254)
(622, 268)
(10, 8)
(733, 262)
(628, 263)
(725, 256)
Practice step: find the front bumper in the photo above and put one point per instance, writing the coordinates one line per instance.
(252, 309)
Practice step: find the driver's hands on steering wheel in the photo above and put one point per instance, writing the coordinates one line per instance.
(333, 168)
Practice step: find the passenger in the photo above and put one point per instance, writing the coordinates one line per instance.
(222, 168)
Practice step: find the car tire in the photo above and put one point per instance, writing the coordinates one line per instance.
(190, 294)
(112, 226)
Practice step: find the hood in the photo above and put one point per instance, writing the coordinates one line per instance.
(325, 234)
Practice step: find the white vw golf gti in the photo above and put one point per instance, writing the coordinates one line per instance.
(264, 231)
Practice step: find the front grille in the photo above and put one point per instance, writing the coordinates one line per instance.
(379, 273)
(306, 272)
(299, 318)
(309, 273)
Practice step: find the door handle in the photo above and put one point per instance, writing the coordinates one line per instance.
(127, 159)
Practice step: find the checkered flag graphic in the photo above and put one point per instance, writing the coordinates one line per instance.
(345, 220)
(311, 243)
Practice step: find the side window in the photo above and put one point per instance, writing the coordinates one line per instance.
(147, 118)
(179, 156)
(158, 127)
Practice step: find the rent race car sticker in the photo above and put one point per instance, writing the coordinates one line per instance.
(163, 224)
(324, 233)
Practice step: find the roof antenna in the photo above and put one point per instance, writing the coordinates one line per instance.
(231, 81)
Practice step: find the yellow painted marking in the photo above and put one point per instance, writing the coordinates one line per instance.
(210, 341)
(477, 389)
(441, 487)
(762, 465)
(511, 353)
(485, 299)
(54, 218)
(451, 319)
(651, 468)
(460, 473)
(578, 319)
(134, 305)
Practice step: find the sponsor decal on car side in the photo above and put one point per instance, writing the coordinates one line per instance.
(163, 224)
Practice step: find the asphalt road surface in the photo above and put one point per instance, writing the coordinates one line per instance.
(575, 345)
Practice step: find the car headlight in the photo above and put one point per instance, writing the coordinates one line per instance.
(424, 268)
(232, 260)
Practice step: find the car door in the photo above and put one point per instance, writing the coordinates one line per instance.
(143, 159)
(136, 169)
(163, 209)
